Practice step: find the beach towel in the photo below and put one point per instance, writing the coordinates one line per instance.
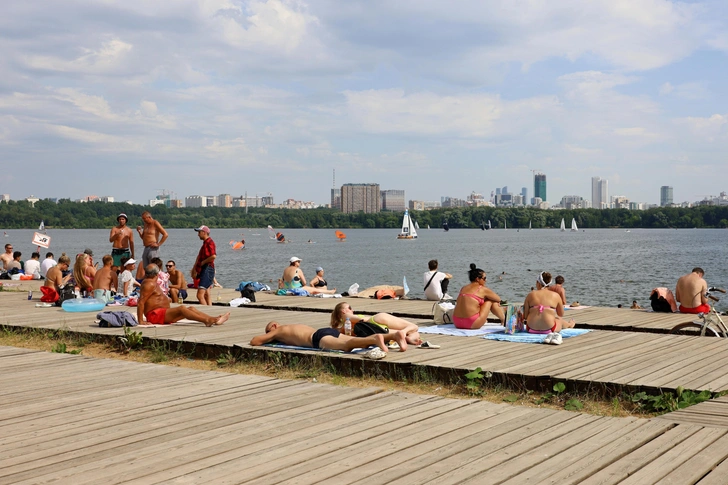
(456, 332)
(580, 307)
(532, 338)
(296, 347)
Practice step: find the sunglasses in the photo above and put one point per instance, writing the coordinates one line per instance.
(170, 266)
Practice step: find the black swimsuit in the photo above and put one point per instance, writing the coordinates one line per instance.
(320, 283)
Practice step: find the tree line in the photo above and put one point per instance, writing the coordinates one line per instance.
(95, 215)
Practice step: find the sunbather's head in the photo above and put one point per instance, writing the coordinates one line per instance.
(475, 273)
(271, 326)
(543, 280)
(559, 280)
(337, 316)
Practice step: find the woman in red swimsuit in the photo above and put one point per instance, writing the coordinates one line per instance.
(543, 308)
(475, 302)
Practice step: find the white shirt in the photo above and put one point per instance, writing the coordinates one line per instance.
(123, 278)
(434, 291)
(32, 267)
(47, 264)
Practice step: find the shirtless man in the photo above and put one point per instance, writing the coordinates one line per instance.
(54, 280)
(558, 287)
(153, 235)
(154, 305)
(7, 256)
(690, 292)
(323, 338)
(106, 279)
(122, 240)
(177, 283)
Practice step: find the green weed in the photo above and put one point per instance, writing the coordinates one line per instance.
(60, 348)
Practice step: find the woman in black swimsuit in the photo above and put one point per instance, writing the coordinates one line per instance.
(318, 281)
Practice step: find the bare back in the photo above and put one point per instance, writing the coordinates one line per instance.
(295, 334)
(152, 296)
(54, 278)
(690, 290)
(559, 289)
(541, 308)
(105, 279)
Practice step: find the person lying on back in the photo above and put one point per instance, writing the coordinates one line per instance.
(323, 338)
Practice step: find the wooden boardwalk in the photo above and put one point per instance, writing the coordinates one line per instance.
(72, 419)
(599, 360)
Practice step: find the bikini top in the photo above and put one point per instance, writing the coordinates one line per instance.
(480, 300)
(320, 283)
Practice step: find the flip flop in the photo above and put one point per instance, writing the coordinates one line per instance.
(375, 354)
(393, 345)
(428, 345)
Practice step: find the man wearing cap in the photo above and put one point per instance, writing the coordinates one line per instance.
(204, 267)
(153, 235)
(122, 240)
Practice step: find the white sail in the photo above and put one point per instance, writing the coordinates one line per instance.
(529, 225)
(505, 225)
(573, 225)
(563, 226)
(417, 226)
(489, 226)
(408, 229)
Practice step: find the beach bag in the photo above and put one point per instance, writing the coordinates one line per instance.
(65, 293)
(442, 312)
(659, 303)
(385, 295)
(365, 329)
(248, 292)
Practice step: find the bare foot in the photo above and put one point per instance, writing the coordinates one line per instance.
(380, 342)
(222, 319)
(400, 338)
(413, 341)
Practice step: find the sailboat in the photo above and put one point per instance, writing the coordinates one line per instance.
(428, 226)
(563, 226)
(408, 229)
(573, 225)
(417, 226)
(482, 226)
(529, 226)
(489, 226)
(445, 226)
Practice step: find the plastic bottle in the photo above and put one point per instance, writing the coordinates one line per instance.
(30, 295)
(180, 300)
(347, 326)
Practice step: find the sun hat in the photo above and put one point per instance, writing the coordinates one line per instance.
(130, 261)
(203, 229)
(89, 252)
(294, 259)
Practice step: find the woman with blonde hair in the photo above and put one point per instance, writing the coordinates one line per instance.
(79, 273)
(383, 323)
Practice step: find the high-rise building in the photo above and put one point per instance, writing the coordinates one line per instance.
(393, 200)
(539, 185)
(336, 199)
(196, 201)
(600, 193)
(498, 191)
(504, 190)
(224, 200)
(524, 194)
(665, 196)
(360, 197)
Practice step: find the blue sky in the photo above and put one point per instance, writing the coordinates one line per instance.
(436, 98)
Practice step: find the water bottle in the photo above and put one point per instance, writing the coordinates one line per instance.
(30, 295)
(180, 300)
(347, 326)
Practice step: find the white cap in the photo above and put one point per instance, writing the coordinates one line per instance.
(130, 261)
(294, 259)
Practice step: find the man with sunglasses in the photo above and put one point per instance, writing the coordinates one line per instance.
(177, 283)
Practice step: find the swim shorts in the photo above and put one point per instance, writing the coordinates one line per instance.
(118, 253)
(156, 316)
(321, 333)
(704, 308)
(50, 295)
(149, 254)
(207, 277)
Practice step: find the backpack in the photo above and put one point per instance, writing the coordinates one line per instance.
(65, 292)
(248, 292)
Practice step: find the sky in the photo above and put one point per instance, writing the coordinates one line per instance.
(203, 97)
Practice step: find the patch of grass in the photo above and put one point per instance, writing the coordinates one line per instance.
(60, 348)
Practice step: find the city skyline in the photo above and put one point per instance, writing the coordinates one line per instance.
(228, 96)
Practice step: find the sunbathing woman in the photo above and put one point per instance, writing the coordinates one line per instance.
(293, 278)
(543, 309)
(475, 302)
(383, 320)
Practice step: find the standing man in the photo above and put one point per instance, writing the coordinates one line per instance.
(47, 264)
(177, 283)
(122, 240)
(153, 235)
(7, 256)
(204, 267)
(436, 283)
(690, 292)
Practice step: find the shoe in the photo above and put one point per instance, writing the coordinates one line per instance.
(375, 354)
(548, 338)
(392, 345)
(447, 297)
(557, 339)
(428, 345)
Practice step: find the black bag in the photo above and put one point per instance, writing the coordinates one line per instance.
(659, 304)
(365, 329)
(248, 292)
(65, 293)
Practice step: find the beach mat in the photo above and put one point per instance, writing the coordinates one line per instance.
(533, 338)
(296, 347)
(449, 329)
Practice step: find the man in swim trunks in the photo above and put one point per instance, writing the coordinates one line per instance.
(121, 238)
(177, 283)
(690, 292)
(154, 305)
(153, 235)
(323, 338)
(106, 280)
(54, 280)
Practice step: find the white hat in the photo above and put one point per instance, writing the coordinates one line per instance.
(130, 261)
(294, 259)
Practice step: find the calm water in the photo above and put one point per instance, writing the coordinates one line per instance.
(601, 266)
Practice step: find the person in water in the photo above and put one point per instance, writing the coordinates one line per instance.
(293, 278)
(543, 309)
(388, 325)
(475, 302)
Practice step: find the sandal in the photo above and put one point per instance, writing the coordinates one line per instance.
(428, 345)
(375, 354)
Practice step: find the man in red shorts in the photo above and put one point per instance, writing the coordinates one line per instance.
(690, 292)
(54, 280)
(154, 305)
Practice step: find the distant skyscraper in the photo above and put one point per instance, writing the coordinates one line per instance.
(497, 191)
(393, 200)
(539, 185)
(524, 194)
(665, 195)
(504, 190)
(600, 193)
(360, 197)
(336, 198)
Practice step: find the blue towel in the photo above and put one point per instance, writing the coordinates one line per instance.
(296, 347)
(533, 338)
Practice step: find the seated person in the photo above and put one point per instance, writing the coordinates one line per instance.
(318, 281)
(690, 292)
(106, 280)
(475, 302)
(55, 280)
(293, 278)
(177, 283)
(543, 309)
(558, 287)
(32, 266)
(384, 321)
(126, 278)
(82, 282)
(436, 282)
(154, 305)
(162, 277)
(15, 265)
(323, 338)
